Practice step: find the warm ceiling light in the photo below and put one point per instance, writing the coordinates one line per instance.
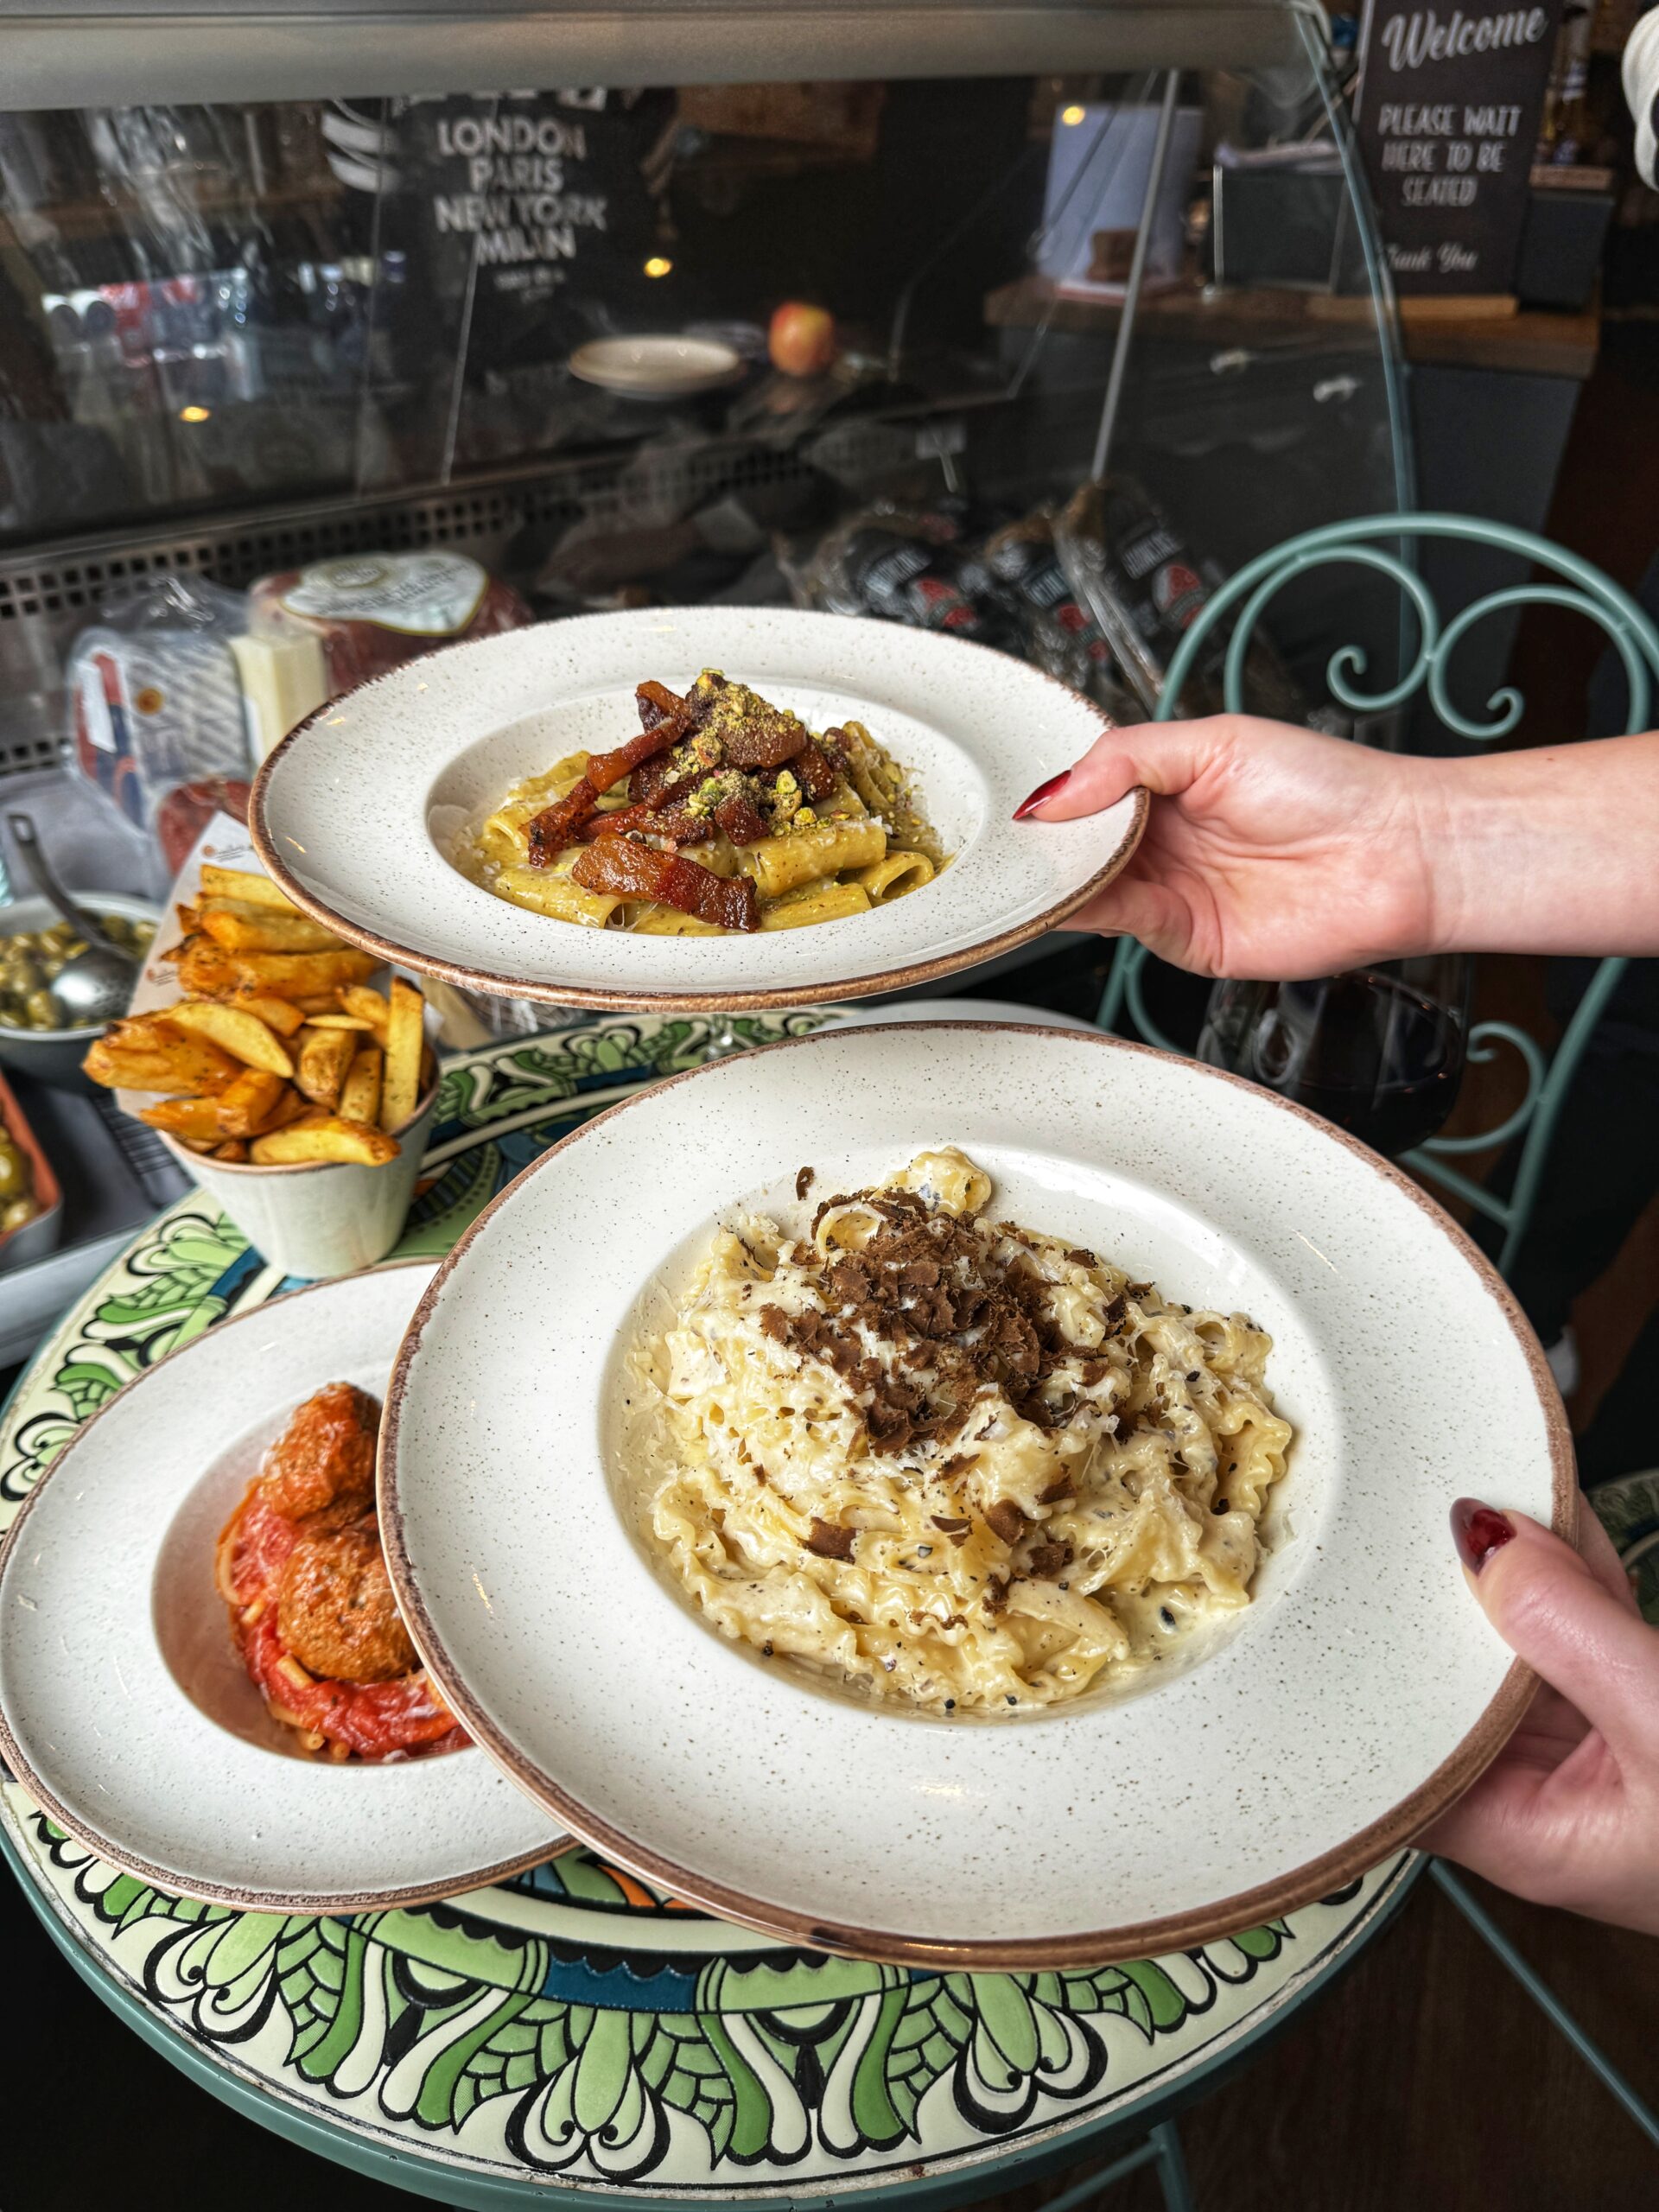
(659, 265)
(195, 414)
(1072, 114)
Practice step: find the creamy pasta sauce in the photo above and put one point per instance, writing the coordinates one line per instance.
(951, 1461)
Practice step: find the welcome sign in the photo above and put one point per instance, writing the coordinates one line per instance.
(1448, 112)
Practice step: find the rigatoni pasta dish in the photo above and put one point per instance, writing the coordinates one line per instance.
(724, 813)
(951, 1461)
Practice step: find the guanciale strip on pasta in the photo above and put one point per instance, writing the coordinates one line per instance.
(817, 770)
(630, 871)
(553, 828)
(822, 827)
(646, 813)
(605, 769)
(743, 823)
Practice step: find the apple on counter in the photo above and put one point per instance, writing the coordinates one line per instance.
(802, 338)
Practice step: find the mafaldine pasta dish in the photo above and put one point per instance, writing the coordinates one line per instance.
(948, 1461)
(312, 1613)
(724, 813)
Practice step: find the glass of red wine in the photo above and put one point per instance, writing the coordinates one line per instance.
(1378, 1050)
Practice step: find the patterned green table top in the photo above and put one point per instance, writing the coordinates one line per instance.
(571, 2030)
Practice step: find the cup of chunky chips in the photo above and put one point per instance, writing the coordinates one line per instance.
(298, 1093)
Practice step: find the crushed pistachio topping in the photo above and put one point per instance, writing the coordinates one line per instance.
(726, 783)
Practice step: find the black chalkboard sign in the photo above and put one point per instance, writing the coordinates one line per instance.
(1447, 112)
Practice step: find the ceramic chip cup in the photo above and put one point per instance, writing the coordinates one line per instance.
(318, 1218)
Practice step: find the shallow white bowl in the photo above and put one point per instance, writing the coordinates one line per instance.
(657, 366)
(356, 812)
(1354, 1699)
(108, 1607)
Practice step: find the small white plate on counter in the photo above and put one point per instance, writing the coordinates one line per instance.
(1357, 1695)
(357, 811)
(656, 366)
(124, 1709)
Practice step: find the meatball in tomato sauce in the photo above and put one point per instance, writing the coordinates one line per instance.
(324, 1455)
(334, 1607)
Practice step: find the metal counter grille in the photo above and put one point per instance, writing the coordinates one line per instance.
(48, 594)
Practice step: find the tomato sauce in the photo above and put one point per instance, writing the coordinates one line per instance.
(367, 1720)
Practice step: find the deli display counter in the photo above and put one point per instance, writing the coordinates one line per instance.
(845, 306)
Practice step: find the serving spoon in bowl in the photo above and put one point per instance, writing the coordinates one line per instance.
(96, 985)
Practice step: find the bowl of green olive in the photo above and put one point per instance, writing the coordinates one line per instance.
(34, 945)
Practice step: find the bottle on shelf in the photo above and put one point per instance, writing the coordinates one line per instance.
(1567, 130)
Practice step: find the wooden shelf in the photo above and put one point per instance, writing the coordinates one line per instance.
(1188, 311)
(116, 216)
(1533, 342)
(1536, 342)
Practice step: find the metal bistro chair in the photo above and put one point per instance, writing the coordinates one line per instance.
(1568, 582)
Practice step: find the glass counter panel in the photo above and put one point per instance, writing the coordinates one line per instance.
(218, 321)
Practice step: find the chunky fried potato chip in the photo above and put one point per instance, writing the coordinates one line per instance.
(280, 1014)
(247, 1108)
(301, 975)
(369, 1006)
(360, 1095)
(324, 1055)
(278, 1051)
(194, 1119)
(148, 1054)
(292, 1106)
(205, 970)
(218, 903)
(400, 1079)
(265, 929)
(328, 1138)
(246, 884)
(237, 1031)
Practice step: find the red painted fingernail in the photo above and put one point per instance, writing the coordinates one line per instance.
(1477, 1531)
(1050, 790)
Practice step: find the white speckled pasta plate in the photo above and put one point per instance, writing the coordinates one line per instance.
(356, 812)
(1359, 1693)
(108, 1609)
